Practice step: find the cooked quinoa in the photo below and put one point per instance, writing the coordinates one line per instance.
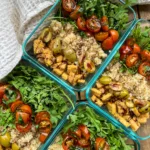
(136, 84)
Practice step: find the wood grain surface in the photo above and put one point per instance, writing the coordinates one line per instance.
(142, 11)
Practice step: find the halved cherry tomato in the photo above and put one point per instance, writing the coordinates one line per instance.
(2, 89)
(93, 24)
(45, 123)
(131, 60)
(83, 143)
(84, 131)
(26, 108)
(42, 114)
(89, 34)
(69, 5)
(114, 35)
(142, 68)
(130, 42)
(68, 142)
(76, 13)
(25, 118)
(145, 55)
(81, 24)
(100, 143)
(78, 133)
(101, 36)
(136, 49)
(24, 128)
(124, 51)
(45, 130)
(104, 23)
(15, 105)
(43, 137)
(107, 44)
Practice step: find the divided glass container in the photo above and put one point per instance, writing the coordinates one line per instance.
(135, 143)
(45, 21)
(140, 134)
(70, 94)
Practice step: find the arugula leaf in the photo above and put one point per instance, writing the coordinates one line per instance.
(40, 92)
(7, 120)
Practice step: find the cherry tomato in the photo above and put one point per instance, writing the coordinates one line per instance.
(100, 143)
(43, 137)
(42, 114)
(22, 117)
(107, 44)
(81, 24)
(114, 34)
(2, 90)
(104, 23)
(15, 105)
(45, 130)
(124, 51)
(130, 42)
(136, 49)
(24, 128)
(77, 132)
(65, 13)
(101, 36)
(83, 143)
(26, 108)
(84, 132)
(45, 123)
(68, 142)
(142, 68)
(93, 24)
(145, 55)
(131, 60)
(89, 34)
(69, 5)
(76, 13)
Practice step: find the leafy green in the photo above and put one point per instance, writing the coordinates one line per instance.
(6, 120)
(98, 127)
(142, 36)
(40, 92)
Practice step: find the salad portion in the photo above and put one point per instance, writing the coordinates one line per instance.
(86, 130)
(79, 37)
(31, 106)
(124, 86)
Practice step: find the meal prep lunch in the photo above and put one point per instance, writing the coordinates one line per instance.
(29, 109)
(86, 130)
(124, 87)
(79, 37)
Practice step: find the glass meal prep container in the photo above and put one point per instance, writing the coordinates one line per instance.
(80, 107)
(28, 47)
(139, 132)
(69, 95)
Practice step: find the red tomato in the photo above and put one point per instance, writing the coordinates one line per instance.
(131, 60)
(26, 108)
(130, 42)
(83, 143)
(114, 34)
(142, 68)
(76, 13)
(84, 132)
(25, 128)
(88, 33)
(69, 5)
(145, 54)
(25, 118)
(45, 123)
(43, 137)
(101, 36)
(68, 142)
(78, 133)
(42, 114)
(124, 51)
(81, 24)
(45, 130)
(104, 23)
(107, 44)
(100, 143)
(136, 49)
(93, 24)
(2, 91)
(15, 105)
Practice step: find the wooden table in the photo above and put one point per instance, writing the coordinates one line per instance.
(142, 11)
